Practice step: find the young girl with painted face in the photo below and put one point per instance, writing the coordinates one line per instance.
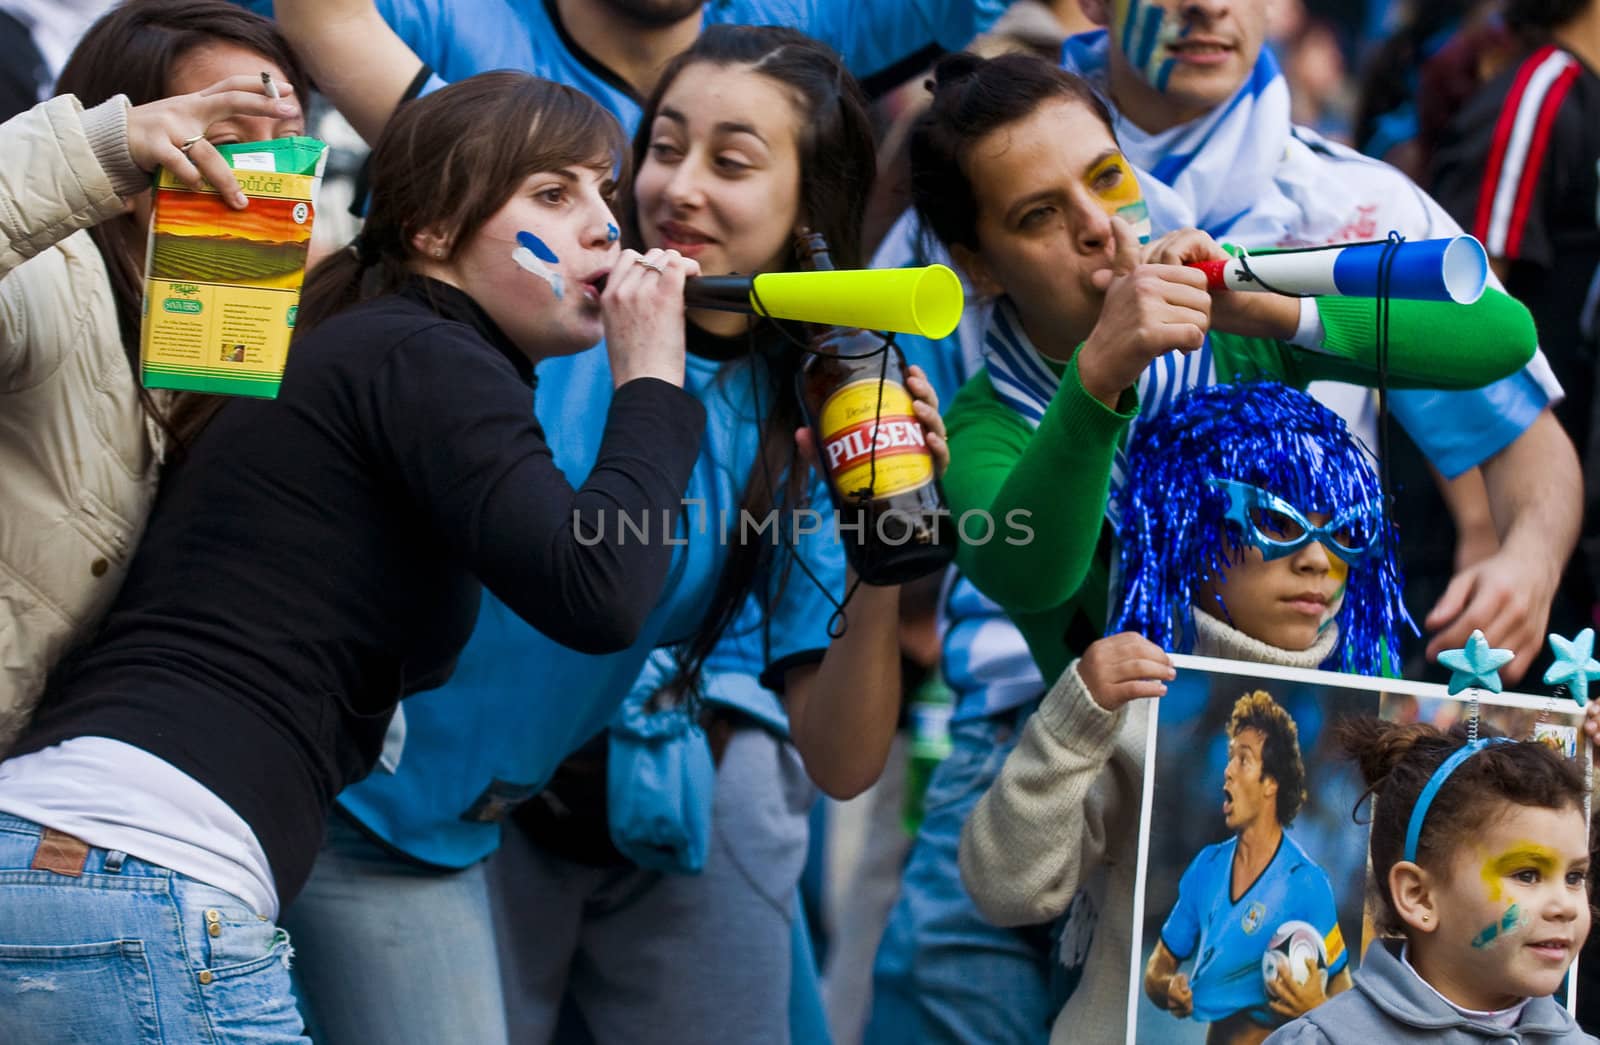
(315, 558)
(1274, 553)
(1481, 859)
(754, 133)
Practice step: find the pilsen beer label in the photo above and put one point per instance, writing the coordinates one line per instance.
(857, 427)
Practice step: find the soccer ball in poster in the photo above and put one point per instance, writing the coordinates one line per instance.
(1291, 945)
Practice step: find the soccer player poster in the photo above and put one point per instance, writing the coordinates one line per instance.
(1252, 877)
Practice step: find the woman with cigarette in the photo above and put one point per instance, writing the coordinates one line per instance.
(314, 558)
(154, 83)
(752, 134)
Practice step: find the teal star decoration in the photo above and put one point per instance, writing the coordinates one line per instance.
(1477, 666)
(1575, 666)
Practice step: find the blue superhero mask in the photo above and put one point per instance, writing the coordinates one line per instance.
(1276, 527)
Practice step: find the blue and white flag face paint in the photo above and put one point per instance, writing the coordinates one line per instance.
(533, 255)
(1219, 171)
(1144, 30)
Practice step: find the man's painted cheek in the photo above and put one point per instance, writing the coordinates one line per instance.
(1144, 30)
(1122, 200)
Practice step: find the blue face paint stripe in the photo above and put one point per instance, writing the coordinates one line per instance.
(612, 233)
(1164, 74)
(1135, 9)
(537, 248)
(1148, 34)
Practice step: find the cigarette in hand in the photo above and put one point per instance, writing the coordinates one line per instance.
(270, 87)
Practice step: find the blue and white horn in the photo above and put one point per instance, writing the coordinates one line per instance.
(1454, 269)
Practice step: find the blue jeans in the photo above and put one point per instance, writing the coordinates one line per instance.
(135, 954)
(943, 973)
(390, 951)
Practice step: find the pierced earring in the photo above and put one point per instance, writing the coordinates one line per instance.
(438, 252)
(1425, 917)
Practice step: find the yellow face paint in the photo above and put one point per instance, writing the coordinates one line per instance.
(1117, 189)
(1338, 569)
(1523, 855)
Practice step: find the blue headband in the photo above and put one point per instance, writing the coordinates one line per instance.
(1419, 812)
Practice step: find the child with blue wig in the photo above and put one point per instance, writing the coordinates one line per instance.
(1229, 485)
(1250, 527)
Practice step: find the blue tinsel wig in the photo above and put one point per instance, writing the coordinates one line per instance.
(1173, 530)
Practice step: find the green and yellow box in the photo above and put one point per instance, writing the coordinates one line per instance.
(222, 286)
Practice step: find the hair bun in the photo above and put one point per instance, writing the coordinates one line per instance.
(953, 68)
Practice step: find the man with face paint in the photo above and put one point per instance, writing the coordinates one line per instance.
(1236, 893)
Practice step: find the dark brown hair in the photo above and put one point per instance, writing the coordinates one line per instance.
(973, 96)
(449, 160)
(838, 159)
(1536, 19)
(133, 50)
(1280, 748)
(838, 164)
(1396, 762)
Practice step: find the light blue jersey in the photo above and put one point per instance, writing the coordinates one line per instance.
(882, 41)
(1226, 938)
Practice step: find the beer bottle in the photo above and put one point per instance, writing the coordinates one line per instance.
(892, 514)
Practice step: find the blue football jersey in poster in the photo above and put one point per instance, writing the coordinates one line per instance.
(1226, 938)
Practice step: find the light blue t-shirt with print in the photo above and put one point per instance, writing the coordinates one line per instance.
(1226, 936)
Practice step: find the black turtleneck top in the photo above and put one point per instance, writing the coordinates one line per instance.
(315, 558)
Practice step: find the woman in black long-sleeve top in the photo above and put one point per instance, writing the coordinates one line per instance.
(315, 558)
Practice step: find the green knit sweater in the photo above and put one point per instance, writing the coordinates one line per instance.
(1054, 585)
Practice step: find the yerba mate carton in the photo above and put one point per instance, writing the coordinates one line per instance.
(222, 286)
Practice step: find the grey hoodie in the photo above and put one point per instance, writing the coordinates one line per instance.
(1389, 1004)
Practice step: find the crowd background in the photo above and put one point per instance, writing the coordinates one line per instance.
(1384, 76)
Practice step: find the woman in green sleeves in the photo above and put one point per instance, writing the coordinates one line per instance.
(1016, 170)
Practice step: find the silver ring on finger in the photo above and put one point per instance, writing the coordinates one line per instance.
(191, 141)
(657, 269)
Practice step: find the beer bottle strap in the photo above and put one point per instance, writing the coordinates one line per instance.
(838, 622)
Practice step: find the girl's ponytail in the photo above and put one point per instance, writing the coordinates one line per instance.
(1377, 746)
